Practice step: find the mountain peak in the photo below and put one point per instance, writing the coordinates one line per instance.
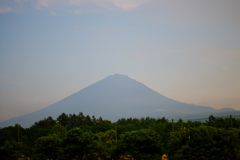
(116, 74)
(118, 79)
(119, 76)
(116, 96)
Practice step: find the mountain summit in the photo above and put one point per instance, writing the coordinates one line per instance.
(116, 96)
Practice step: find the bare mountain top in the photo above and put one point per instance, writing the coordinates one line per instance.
(118, 96)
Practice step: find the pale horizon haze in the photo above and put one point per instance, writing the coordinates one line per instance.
(186, 50)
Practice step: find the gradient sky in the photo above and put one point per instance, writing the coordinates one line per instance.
(187, 50)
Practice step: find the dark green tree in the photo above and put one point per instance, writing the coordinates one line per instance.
(88, 121)
(204, 143)
(79, 144)
(59, 130)
(12, 150)
(63, 119)
(73, 121)
(48, 147)
(163, 120)
(211, 120)
(106, 145)
(140, 144)
(81, 119)
(94, 120)
(45, 123)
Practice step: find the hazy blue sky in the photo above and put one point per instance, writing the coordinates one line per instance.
(187, 50)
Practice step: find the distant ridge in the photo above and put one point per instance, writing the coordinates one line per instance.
(226, 109)
(118, 96)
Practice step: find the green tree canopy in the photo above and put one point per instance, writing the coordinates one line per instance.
(45, 123)
(204, 143)
(12, 150)
(63, 119)
(48, 147)
(78, 144)
(141, 144)
(106, 145)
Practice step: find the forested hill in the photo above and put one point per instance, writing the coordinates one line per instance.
(72, 136)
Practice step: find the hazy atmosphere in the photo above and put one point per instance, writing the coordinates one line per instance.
(187, 50)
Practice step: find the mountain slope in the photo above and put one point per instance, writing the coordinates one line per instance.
(115, 97)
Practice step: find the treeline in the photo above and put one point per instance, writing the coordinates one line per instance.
(75, 137)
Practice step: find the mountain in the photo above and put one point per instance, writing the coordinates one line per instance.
(118, 96)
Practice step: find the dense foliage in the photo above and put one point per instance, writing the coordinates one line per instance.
(83, 137)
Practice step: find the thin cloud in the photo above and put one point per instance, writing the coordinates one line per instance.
(40, 4)
(13, 5)
(71, 6)
(5, 9)
(106, 4)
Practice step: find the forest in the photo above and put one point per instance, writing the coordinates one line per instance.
(80, 137)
